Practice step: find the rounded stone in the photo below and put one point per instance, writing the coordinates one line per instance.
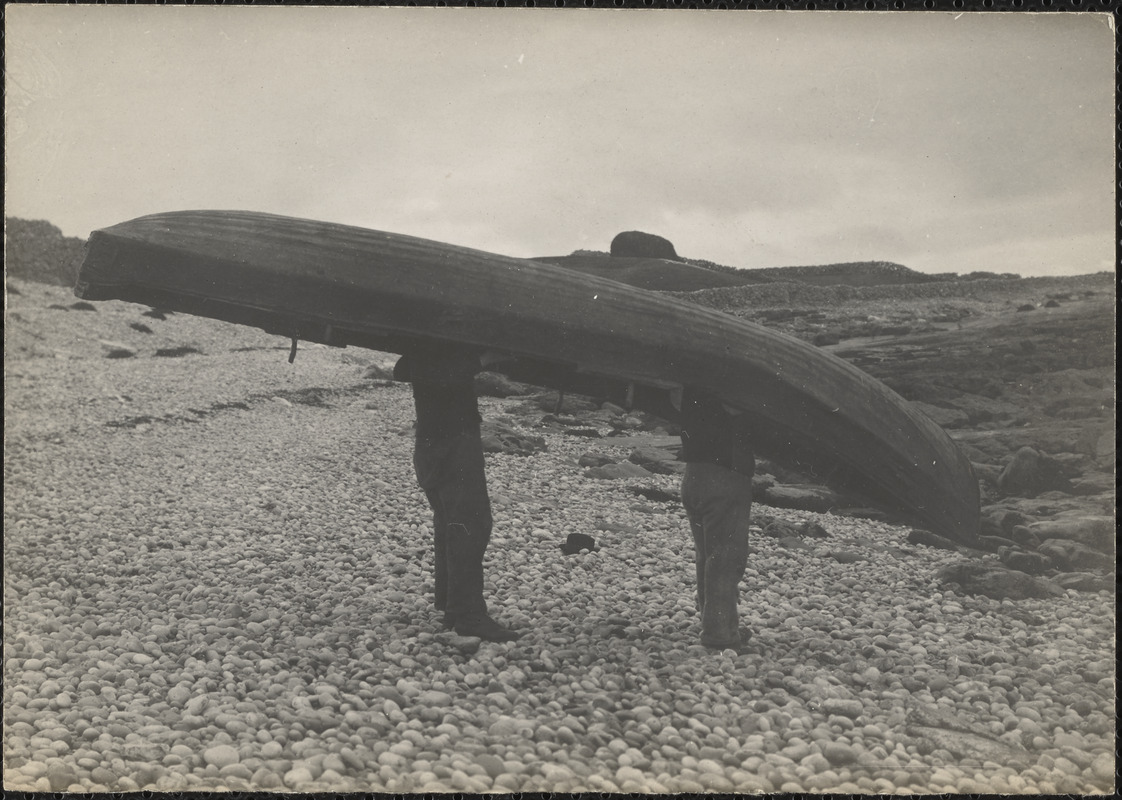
(298, 776)
(1103, 767)
(222, 755)
(838, 753)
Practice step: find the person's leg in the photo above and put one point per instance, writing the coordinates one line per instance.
(467, 525)
(440, 551)
(691, 499)
(430, 459)
(725, 504)
(460, 486)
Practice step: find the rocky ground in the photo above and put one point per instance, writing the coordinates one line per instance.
(217, 575)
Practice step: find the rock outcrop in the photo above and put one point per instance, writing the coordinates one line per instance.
(636, 244)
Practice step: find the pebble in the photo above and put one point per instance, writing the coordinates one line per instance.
(493, 765)
(843, 707)
(298, 776)
(1103, 767)
(838, 753)
(222, 755)
(60, 776)
(434, 698)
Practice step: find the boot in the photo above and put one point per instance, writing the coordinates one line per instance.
(480, 625)
(719, 618)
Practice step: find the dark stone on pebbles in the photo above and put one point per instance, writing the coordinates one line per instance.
(498, 438)
(794, 543)
(616, 471)
(920, 536)
(996, 582)
(594, 460)
(846, 556)
(656, 460)
(963, 744)
(176, 352)
(575, 542)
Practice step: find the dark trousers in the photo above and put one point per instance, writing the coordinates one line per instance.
(451, 472)
(718, 503)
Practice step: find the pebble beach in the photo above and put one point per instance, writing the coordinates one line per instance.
(218, 576)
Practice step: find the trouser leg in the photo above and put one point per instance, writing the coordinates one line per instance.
(440, 551)
(453, 476)
(721, 503)
(698, 533)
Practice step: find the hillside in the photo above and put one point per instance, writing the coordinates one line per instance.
(855, 273)
(691, 274)
(36, 250)
(655, 274)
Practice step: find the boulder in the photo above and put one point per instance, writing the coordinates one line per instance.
(636, 244)
(920, 536)
(376, 372)
(779, 528)
(498, 438)
(1085, 581)
(804, 497)
(1024, 537)
(594, 460)
(987, 473)
(996, 581)
(1106, 447)
(1093, 483)
(614, 471)
(1030, 473)
(993, 544)
(565, 403)
(657, 460)
(1024, 561)
(1094, 531)
(1069, 555)
(984, 409)
(492, 384)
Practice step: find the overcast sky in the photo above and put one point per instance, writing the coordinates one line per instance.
(948, 143)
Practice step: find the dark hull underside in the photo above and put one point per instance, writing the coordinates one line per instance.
(342, 285)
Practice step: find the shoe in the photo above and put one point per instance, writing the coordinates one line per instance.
(482, 626)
